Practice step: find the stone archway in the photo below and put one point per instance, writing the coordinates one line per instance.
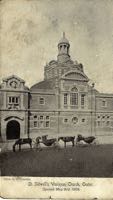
(13, 130)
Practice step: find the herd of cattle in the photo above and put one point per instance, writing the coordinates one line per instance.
(54, 141)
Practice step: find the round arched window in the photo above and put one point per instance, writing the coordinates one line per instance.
(74, 120)
(74, 97)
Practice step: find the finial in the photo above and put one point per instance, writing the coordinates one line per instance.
(63, 34)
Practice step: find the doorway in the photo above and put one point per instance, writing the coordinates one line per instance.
(13, 130)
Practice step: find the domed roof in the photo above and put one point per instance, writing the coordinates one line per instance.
(63, 39)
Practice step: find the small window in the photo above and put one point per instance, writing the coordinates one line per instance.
(83, 120)
(60, 47)
(10, 100)
(103, 117)
(98, 123)
(65, 99)
(47, 117)
(35, 116)
(13, 100)
(41, 117)
(82, 99)
(41, 101)
(16, 99)
(104, 103)
(41, 124)
(35, 124)
(47, 124)
(65, 120)
(74, 120)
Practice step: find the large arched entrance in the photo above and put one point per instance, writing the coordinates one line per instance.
(13, 130)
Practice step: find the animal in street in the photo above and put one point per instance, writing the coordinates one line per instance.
(22, 141)
(67, 139)
(87, 140)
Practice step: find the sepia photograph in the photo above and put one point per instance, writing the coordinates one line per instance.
(56, 93)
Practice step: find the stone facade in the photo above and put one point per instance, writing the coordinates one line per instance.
(14, 108)
(64, 103)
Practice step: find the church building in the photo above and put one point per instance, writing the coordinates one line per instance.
(63, 104)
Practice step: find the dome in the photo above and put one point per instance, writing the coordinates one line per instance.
(63, 39)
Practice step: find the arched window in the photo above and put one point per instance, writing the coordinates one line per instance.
(74, 89)
(74, 120)
(74, 96)
(60, 47)
(82, 100)
(65, 98)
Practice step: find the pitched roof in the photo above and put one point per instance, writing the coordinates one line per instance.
(13, 76)
(46, 84)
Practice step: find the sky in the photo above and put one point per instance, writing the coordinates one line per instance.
(31, 29)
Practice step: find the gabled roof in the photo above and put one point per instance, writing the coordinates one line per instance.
(13, 76)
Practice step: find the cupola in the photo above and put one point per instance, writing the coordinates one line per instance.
(63, 49)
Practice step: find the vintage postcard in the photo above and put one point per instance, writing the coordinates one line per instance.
(56, 99)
